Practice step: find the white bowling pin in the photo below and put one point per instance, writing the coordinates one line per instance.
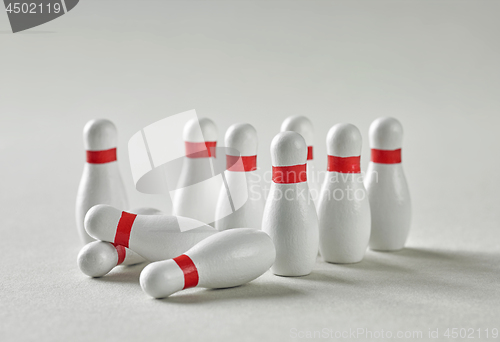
(290, 216)
(197, 190)
(387, 188)
(343, 207)
(98, 258)
(154, 237)
(227, 259)
(101, 182)
(242, 182)
(304, 127)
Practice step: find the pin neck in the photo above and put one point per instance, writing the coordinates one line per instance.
(122, 235)
(101, 157)
(241, 163)
(344, 164)
(200, 149)
(188, 267)
(290, 174)
(386, 156)
(309, 153)
(122, 253)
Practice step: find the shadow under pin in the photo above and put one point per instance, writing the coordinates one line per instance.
(123, 274)
(250, 291)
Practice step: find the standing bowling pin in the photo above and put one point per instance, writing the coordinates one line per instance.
(101, 181)
(98, 258)
(290, 216)
(387, 188)
(227, 259)
(343, 208)
(242, 181)
(197, 190)
(304, 127)
(154, 237)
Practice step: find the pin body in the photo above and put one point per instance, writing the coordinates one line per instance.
(101, 181)
(197, 190)
(343, 208)
(387, 187)
(304, 127)
(98, 258)
(247, 200)
(227, 259)
(290, 216)
(154, 237)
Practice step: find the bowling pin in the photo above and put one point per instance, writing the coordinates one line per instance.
(343, 207)
(154, 237)
(98, 258)
(242, 181)
(227, 259)
(289, 215)
(101, 182)
(304, 127)
(386, 185)
(197, 190)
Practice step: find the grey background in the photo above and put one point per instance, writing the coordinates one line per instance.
(432, 64)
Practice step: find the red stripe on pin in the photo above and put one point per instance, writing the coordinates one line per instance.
(309, 152)
(344, 164)
(189, 269)
(386, 156)
(101, 157)
(241, 163)
(122, 253)
(201, 149)
(124, 228)
(290, 174)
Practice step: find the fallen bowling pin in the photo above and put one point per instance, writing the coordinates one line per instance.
(230, 258)
(154, 237)
(101, 181)
(98, 258)
(387, 188)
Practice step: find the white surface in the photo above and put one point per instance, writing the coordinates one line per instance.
(433, 65)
